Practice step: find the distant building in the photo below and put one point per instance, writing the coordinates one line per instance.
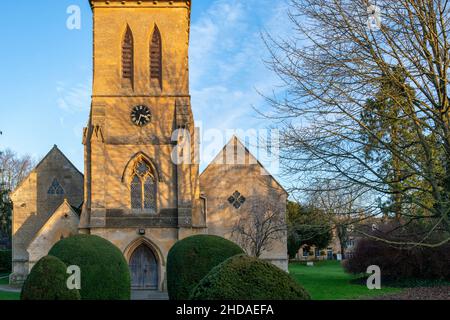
(334, 249)
(332, 252)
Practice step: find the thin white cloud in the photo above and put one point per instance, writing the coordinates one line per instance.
(73, 99)
(211, 37)
(227, 53)
(220, 107)
(227, 56)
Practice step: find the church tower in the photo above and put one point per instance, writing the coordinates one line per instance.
(134, 190)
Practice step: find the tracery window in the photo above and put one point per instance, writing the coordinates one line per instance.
(55, 188)
(143, 187)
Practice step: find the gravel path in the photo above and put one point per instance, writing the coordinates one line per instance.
(419, 293)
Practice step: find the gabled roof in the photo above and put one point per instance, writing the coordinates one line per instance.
(236, 141)
(65, 205)
(54, 150)
(78, 209)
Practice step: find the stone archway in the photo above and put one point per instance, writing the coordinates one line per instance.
(155, 253)
(144, 270)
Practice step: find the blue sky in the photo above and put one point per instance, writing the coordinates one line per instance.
(46, 70)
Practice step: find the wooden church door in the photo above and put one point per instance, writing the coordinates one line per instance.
(144, 269)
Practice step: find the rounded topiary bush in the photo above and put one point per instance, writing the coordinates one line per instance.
(104, 271)
(192, 258)
(245, 278)
(48, 281)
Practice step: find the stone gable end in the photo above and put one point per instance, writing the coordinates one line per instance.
(35, 200)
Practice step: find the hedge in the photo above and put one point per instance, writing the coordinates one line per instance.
(48, 281)
(104, 271)
(402, 262)
(246, 278)
(398, 264)
(192, 258)
(5, 261)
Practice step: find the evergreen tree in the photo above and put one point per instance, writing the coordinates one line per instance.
(306, 226)
(391, 137)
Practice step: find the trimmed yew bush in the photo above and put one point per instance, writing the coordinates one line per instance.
(192, 258)
(245, 278)
(48, 281)
(104, 270)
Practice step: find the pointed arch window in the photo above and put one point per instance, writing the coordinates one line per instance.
(128, 56)
(143, 187)
(55, 188)
(156, 57)
(136, 193)
(149, 193)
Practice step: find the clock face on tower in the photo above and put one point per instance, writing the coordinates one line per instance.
(141, 115)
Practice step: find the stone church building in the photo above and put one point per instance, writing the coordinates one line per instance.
(134, 192)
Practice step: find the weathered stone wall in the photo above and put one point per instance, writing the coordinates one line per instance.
(112, 140)
(62, 224)
(110, 23)
(24, 212)
(113, 143)
(219, 181)
(33, 205)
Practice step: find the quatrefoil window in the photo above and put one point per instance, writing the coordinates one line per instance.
(237, 200)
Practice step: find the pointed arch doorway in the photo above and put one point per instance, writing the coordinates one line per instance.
(143, 269)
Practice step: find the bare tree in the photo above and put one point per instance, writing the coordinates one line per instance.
(14, 168)
(334, 63)
(256, 232)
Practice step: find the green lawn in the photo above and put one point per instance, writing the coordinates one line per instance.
(328, 281)
(325, 281)
(7, 295)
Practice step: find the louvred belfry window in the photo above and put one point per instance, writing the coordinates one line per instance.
(128, 56)
(156, 57)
